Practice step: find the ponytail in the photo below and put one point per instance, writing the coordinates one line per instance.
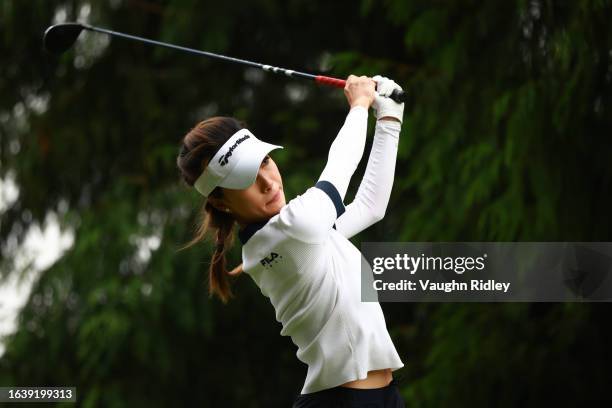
(199, 145)
(220, 226)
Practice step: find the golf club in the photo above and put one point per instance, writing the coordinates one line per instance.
(59, 37)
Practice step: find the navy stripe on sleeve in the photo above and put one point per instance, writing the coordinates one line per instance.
(333, 194)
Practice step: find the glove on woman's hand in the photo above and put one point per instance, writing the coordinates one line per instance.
(383, 105)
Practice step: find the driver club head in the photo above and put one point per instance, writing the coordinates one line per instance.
(59, 37)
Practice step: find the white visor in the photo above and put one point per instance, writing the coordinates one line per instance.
(236, 164)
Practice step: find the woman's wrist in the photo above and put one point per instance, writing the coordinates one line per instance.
(361, 102)
(359, 107)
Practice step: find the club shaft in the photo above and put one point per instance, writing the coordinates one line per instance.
(323, 80)
(269, 68)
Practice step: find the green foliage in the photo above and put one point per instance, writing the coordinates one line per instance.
(507, 140)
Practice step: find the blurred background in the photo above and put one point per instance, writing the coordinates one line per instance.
(508, 139)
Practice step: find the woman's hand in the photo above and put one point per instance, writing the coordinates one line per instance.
(359, 91)
(385, 107)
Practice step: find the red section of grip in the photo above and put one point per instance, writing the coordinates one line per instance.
(329, 81)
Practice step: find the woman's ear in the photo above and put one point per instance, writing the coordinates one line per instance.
(217, 203)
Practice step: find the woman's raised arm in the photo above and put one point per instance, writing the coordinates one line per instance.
(372, 198)
(347, 149)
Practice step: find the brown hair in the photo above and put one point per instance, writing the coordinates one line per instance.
(199, 146)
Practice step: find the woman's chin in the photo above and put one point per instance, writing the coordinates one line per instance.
(275, 208)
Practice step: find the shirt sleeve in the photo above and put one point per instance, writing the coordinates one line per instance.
(309, 217)
(372, 198)
(346, 150)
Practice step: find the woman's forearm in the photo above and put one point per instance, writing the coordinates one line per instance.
(347, 149)
(375, 188)
(372, 198)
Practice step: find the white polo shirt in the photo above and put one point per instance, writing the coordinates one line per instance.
(311, 273)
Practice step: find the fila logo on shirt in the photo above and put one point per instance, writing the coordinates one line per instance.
(270, 259)
(223, 159)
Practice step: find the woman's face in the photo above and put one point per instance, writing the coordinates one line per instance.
(260, 201)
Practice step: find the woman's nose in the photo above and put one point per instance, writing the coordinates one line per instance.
(266, 182)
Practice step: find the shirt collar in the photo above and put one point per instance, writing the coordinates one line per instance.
(245, 234)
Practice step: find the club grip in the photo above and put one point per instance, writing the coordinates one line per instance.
(397, 95)
(329, 81)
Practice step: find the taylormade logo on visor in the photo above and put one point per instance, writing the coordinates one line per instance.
(223, 159)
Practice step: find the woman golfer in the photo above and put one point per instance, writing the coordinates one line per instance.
(298, 253)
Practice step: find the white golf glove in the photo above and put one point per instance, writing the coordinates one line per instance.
(383, 105)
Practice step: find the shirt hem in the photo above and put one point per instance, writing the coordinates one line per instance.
(346, 379)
